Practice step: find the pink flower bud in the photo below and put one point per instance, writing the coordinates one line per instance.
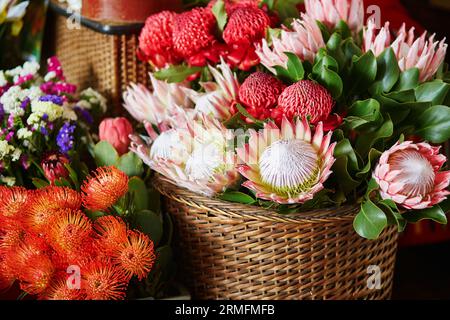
(116, 131)
(53, 165)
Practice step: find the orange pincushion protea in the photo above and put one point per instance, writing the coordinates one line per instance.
(7, 278)
(45, 202)
(29, 247)
(104, 188)
(59, 290)
(35, 276)
(12, 201)
(136, 256)
(101, 280)
(111, 231)
(13, 234)
(69, 230)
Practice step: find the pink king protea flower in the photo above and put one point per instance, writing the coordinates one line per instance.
(331, 12)
(422, 53)
(408, 174)
(305, 41)
(156, 106)
(287, 165)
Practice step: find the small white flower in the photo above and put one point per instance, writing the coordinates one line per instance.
(30, 67)
(16, 154)
(14, 72)
(9, 181)
(53, 111)
(83, 104)
(50, 76)
(69, 114)
(24, 133)
(34, 118)
(94, 97)
(12, 100)
(3, 81)
(5, 149)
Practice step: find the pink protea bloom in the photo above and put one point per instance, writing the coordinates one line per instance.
(287, 165)
(196, 156)
(409, 174)
(422, 53)
(155, 106)
(331, 12)
(218, 96)
(304, 40)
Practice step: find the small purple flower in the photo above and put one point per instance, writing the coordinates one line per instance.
(2, 112)
(65, 139)
(11, 121)
(24, 162)
(44, 131)
(45, 117)
(52, 98)
(9, 136)
(85, 115)
(25, 103)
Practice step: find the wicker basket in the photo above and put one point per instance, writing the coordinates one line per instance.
(105, 61)
(232, 251)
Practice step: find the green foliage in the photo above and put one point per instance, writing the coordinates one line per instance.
(105, 155)
(176, 73)
(220, 13)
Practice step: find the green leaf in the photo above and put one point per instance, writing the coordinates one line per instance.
(344, 149)
(282, 73)
(139, 193)
(176, 73)
(374, 154)
(287, 9)
(105, 154)
(434, 92)
(220, 13)
(269, 3)
(370, 221)
(388, 71)
(73, 176)
(343, 29)
(342, 175)
(434, 124)
(435, 213)
(363, 72)
(39, 183)
(367, 140)
(371, 187)
(325, 72)
(131, 164)
(238, 197)
(362, 112)
(295, 67)
(393, 215)
(246, 114)
(409, 79)
(149, 223)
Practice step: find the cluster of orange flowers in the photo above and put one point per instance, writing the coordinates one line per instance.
(45, 232)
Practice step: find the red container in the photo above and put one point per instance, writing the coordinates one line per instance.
(121, 11)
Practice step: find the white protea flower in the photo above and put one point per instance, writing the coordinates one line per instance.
(219, 95)
(305, 41)
(156, 106)
(197, 158)
(375, 41)
(287, 165)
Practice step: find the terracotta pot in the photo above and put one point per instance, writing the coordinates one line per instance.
(132, 11)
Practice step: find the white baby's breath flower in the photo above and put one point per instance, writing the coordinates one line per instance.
(5, 149)
(53, 111)
(24, 133)
(9, 181)
(68, 113)
(94, 97)
(34, 93)
(50, 76)
(29, 68)
(16, 154)
(14, 72)
(12, 100)
(83, 104)
(34, 118)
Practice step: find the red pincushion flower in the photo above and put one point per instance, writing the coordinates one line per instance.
(246, 25)
(136, 256)
(59, 290)
(101, 280)
(193, 31)
(304, 99)
(36, 274)
(104, 188)
(12, 201)
(260, 92)
(155, 40)
(111, 232)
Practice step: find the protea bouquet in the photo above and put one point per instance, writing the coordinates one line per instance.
(318, 111)
(44, 121)
(98, 241)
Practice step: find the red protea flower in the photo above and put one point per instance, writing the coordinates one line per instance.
(104, 188)
(304, 99)
(12, 202)
(193, 31)
(46, 202)
(53, 165)
(101, 280)
(36, 274)
(59, 290)
(69, 230)
(111, 232)
(259, 93)
(246, 25)
(155, 40)
(136, 256)
(13, 234)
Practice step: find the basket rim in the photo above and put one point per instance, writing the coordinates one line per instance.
(232, 210)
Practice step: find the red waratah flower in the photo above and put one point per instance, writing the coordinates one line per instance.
(246, 25)
(104, 188)
(231, 5)
(46, 202)
(53, 165)
(155, 40)
(259, 93)
(101, 280)
(69, 230)
(12, 201)
(136, 256)
(111, 232)
(304, 99)
(193, 31)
